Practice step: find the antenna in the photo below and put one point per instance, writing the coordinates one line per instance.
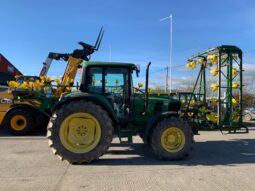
(99, 39)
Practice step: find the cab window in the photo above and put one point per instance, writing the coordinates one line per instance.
(95, 80)
(116, 81)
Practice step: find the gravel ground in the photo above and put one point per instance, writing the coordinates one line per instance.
(217, 162)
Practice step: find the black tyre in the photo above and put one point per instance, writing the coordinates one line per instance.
(247, 117)
(80, 132)
(19, 122)
(171, 139)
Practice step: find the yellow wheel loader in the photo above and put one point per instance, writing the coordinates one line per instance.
(31, 98)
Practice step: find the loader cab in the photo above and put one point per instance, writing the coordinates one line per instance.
(114, 81)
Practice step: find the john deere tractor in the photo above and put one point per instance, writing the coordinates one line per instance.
(83, 123)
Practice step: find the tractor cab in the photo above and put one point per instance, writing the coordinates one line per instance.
(114, 82)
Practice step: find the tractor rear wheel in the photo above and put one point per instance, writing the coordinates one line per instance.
(19, 122)
(80, 132)
(171, 139)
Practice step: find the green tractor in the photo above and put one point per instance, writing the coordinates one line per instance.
(83, 123)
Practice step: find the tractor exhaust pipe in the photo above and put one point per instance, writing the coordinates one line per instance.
(146, 88)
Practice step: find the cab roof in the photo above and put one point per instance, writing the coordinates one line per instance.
(96, 63)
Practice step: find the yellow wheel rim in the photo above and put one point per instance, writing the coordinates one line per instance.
(173, 139)
(80, 132)
(18, 122)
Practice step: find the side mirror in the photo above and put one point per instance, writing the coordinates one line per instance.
(137, 69)
(140, 85)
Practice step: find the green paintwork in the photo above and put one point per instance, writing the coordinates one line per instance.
(46, 102)
(84, 94)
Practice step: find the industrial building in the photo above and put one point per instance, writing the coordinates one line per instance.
(7, 71)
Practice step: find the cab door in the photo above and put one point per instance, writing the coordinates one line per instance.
(114, 84)
(117, 90)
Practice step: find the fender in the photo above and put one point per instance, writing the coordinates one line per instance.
(88, 97)
(22, 106)
(153, 121)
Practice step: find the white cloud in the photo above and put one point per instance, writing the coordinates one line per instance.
(187, 80)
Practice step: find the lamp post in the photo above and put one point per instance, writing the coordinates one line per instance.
(170, 58)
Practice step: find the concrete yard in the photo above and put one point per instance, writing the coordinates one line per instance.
(217, 162)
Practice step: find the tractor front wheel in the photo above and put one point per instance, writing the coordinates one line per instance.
(171, 139)
(80, 132)
(19, 122)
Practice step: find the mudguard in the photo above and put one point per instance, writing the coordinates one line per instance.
(101, 100)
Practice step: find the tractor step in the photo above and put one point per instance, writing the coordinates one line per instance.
(125, 142)
(126, 134)
(126, 139)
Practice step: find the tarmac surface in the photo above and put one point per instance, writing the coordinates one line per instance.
(217, 162)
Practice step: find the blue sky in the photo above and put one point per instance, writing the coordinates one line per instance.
(31, 29)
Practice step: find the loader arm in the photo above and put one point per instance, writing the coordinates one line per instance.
(70, 72)
(74, 61)
(52, 56)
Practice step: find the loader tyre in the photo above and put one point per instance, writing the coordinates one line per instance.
(171, 139)
(19, 122)
(80, 132)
